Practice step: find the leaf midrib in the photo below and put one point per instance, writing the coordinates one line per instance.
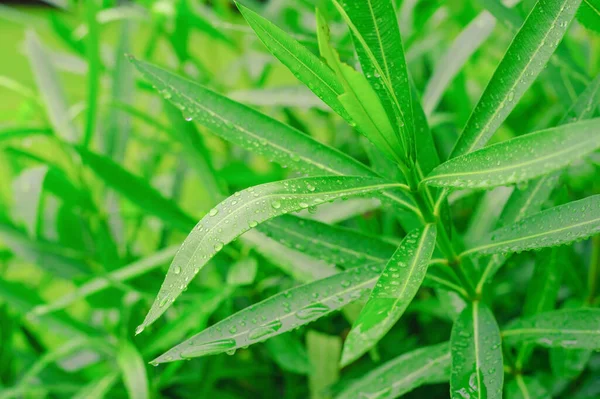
(536, 330)
(476, 348)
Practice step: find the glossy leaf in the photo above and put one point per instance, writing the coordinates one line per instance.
(555, 226)
(244, 211)
(306, 66)
(428, 365)
(477, 368)
(526, 57)
(567, 328)
(277, 314)
(395, 289)
(136, 190)
(519, 159)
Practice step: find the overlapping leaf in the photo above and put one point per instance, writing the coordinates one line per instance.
(277, 314)
(395, 289)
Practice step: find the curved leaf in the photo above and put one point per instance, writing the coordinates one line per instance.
(555, 226)
(477, 368)
(519, 159)
(567, 328)
(244, 211)
(526, 57)
(428, 365)
(277, 314)
(395, 289)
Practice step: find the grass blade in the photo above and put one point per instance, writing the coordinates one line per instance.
(524, 60)
(277, 314)
(92, 46)
(567, 328)
(395, 289)
(51, 91)
(428, 365)
(133, 370)
(477, 368)
(519, 159)
(244, 211)
(555, 226)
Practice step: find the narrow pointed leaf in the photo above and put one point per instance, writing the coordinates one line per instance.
(50, 88)
(567, 328)
(526, 57)
(244, 211)
(395, 289)
(136, 190)
(428, 365)
(306, 66)
(256, 132)
(133, 370)
(519, 159)
(323, 352)
(277, 314)
(477, 368)
(555, 226)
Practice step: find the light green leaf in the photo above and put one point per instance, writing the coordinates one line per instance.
(92, 47)
(589, 14)
(257, 132)
(477, 368)
(323, 352)
(526, 388)
(555, 226)
(244, 211)
(567, 328)
(395, 289)
(98, 388)
(50, 88)
(519, 159)
(136, 190)
(242, 272)
(376, 34)
(524, 60)
(278, 314)
(428, 365)
(306, 66)
(133, 371)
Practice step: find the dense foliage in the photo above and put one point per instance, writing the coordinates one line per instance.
(350, 198)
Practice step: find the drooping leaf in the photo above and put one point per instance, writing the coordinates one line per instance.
(258, 133)
(428, 365)
(477, 368)
(589, 14)
(277, 314)
(133, 371)
(50, 89)
(555, 226)
(526, 57)
(395, 289)
(519, 159)
(244, 211)
(566, 328)
(306, 66)
(136, 190)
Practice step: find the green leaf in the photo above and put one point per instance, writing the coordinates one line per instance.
(278, 314)
(586, 104)
(395, 289)
(555, 226)
(567, 328)
(136, 190)
(289, 353)
(92, 46)
(323, 352)
(519, 159)
(589, 14)
(50, 88)
(306, 66)
(244, 211)
(526, 57)
(133, 370)
(526, 388)
(376, 33)
(428, 365)
(10, 133)
(477, 368)
(257, 132)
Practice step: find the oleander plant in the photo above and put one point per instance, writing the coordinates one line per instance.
(349, 199)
